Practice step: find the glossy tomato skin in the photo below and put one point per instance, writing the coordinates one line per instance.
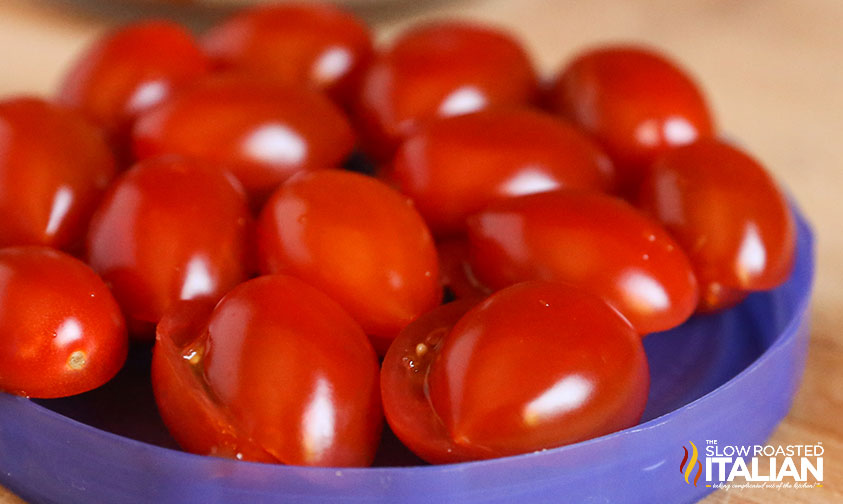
(131, 70)
(259, 132)
(728, 214)
(456, 166)
(294, 45)
(635, 102)
(63, 333)
(170, 229)
(404, 380)
(193, 417)
(54, 168)
(357, 240)
(536, 365)
(594, 241)
(291, 371)
(438, 70)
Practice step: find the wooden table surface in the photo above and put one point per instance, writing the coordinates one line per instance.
(772, 69)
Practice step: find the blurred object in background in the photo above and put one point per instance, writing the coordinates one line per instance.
(198, 13)
(242, 3)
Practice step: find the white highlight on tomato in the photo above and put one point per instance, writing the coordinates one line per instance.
(276, 143)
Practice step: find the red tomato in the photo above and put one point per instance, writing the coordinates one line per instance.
(288, 372)
(455, 273)
(726, 211)
(131, 70)
(593, 241)
(635, 102)
(404, 382)
(54, 168)
(294, 44)
(260, 133)
(536, 365)
(62, 331)
(458, 165)
(188, 411)
(358, 241)
(437, 70)
(170, 229)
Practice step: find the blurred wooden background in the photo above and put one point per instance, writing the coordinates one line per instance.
(772, 69)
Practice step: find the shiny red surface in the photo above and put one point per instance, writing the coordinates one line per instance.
(359, 241)
(170, 229)
(193, 417)
(436, 70)
(404, 381)
(635, 102)
(62, 331)
(294, 44)
(593, 241)
(259, 132)
(54, 168)
(131, 70)
(458, 165)
(288, 368)
(728, 214)
(536, 365)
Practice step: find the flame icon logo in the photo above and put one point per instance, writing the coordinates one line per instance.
(687, 470)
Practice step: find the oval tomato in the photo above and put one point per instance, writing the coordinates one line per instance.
(170, 229)
(62, 331)
(591, 240)
(54, 168)
(536, 365)
(358, 241)
(294, 44)
(259, 132)
(458, 165)
(729, 215)
(131, 70)
(286, 374)
(438, 70)
(635, 102)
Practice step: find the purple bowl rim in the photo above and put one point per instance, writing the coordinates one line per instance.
(788, 332)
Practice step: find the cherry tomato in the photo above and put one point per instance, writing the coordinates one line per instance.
(357, 240)
(536, 365)
(294, 44)
(437, 70)
(458, 165)
(259, 132)
(54, 168)
(455, 273)
(635, 102)
(131, 70)
(726, 211)
(404, 382)
(288, 371)
(189, 412)
(170, 229)
(593, 241)
(62, 331)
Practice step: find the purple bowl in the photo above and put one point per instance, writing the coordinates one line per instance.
(729, 376)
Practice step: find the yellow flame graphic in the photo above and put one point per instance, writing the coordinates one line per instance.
(691, 462)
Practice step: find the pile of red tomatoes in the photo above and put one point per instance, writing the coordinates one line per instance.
(199, 193)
